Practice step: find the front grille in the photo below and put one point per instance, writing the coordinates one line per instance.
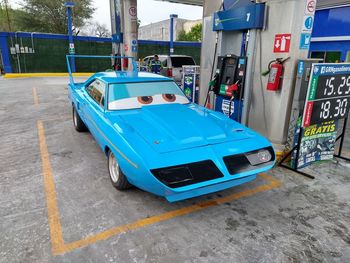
(187, 174)
(239, 163)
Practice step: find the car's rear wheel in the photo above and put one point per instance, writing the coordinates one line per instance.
(79, 125)
(116, 175)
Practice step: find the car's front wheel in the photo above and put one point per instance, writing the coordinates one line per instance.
(116, 175)
(79, 125)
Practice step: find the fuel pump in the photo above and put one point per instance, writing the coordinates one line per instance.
(228, 85)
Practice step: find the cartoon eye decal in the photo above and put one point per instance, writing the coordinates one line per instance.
(145, 99)
(169, 97)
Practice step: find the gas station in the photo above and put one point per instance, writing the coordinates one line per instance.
(275, 69)
(255, 35)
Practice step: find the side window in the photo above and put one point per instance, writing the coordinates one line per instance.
(347, 56)
(318, 54)
(146, 61)
(165, 62)
(96, 91)
(333, 57)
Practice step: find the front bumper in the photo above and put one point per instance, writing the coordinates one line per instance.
(208, 189)
(206, 170)
(147, 181)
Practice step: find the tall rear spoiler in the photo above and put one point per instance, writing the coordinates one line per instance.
(72, 57)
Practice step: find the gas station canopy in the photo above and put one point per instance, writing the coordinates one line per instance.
(186, 2)
(320, 3)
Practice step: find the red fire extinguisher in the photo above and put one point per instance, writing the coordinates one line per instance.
(275, 74)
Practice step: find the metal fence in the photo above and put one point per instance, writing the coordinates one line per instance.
(24, 52)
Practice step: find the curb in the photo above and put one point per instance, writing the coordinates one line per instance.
(35, 75)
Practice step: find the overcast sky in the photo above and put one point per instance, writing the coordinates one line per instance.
(149, 11)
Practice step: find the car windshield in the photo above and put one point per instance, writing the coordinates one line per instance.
(178, 62)
(125, 96)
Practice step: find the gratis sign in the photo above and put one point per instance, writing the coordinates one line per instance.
(328, 96)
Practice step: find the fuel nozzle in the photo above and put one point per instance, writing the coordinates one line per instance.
(231, 89)
(214, 81)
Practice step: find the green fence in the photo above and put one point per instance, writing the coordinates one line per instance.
(50, 50)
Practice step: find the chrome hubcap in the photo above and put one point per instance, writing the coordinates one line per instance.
(75, 118)
(113, 168)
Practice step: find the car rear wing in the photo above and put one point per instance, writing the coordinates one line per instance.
(71, 58)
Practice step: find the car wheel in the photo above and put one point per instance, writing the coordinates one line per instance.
(79, 125)
(116, 175)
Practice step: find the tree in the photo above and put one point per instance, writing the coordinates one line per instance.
(195, 34)
(8, 18)
(102, 30)
(96, 29)
(50, 15)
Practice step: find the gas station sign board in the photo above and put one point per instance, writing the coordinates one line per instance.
(243, 17)
(328, 96)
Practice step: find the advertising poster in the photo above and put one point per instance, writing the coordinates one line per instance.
(191, 82)
(317, 143)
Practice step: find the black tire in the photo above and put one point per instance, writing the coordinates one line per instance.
(79, 125)
(116, 175)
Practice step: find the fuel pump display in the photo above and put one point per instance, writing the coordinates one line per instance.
(229, 85)
(328, 95)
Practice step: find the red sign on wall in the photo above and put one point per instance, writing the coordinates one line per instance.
(282, 43)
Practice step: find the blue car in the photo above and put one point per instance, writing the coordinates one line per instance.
(157, 140)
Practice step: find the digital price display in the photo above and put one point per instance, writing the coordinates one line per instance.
(328, 96)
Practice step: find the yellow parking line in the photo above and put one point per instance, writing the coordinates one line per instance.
(35, 96)
(57, 242)
(273, 183)
(32, 75)
(50, 191)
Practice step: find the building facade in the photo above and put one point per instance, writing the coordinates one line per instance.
(331, 32)
(160, 31)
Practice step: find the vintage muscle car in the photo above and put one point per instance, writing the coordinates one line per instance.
(156, 140)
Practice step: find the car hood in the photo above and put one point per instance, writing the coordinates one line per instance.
(174, 127)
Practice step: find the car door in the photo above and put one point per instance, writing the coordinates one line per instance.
(145, 62)
(164, 70)
(94, 109)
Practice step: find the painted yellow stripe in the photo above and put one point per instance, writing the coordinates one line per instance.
(273, 183)
(35, 97)
(115, 147)
(32, 75)
(50, 191)
(57, 241)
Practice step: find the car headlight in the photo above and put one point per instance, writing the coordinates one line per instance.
(262, 156)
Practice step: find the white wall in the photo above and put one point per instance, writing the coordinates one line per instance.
(160, 30)
(269, 111)
(208, 45)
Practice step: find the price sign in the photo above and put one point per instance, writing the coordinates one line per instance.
(328, 96)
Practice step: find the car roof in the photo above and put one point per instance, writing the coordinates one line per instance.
(128, 76)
